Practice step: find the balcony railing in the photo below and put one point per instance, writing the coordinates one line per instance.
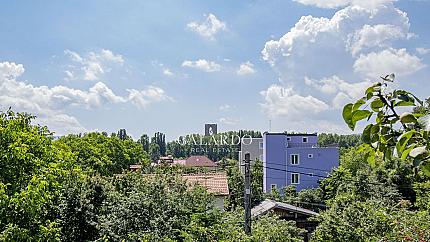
(308, 145)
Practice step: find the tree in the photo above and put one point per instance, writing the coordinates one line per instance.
(160, 140)
(154, 152)
(405, 135)
(122, 134)
(144, 141)
(105, 155)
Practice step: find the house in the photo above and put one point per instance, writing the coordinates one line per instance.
(288, 212)
(215, 183)
(253, 146)
(295, 159)
(197, 161)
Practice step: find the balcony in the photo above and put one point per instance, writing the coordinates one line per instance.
(308, 145)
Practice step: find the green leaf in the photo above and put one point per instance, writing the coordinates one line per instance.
(404, 103)
(347, 115)
(403, 141)
(408, 118)
(358, 104)
(366, 134)
(359, 115)
(376, 104)
(405, 153)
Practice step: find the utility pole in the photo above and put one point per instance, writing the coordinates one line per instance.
(247, 195)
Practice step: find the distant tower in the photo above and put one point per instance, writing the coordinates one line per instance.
(210, 129)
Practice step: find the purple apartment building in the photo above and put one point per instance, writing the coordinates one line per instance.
(295, 159)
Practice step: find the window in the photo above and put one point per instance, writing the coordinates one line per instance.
(288, 138)
(295, 178)
(261, 157)
(261, 145)
(305, 139)
(311, 156)
(273, 186)
(294, 159)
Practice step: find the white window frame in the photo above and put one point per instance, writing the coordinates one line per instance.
(260, 145)
(291, 159)
(273, 186)
(310, 156)
(305, 138)
(298, 178)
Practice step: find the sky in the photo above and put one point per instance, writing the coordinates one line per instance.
(172, 66)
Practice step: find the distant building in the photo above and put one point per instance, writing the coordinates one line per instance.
(215, 183)
(210, 129)
(197, 161)
(253, 146)
(295, 159)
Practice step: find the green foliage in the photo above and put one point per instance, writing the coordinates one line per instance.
(392, 133)
(105, 155)
(342, 141)
(154, 152)
(31, 173)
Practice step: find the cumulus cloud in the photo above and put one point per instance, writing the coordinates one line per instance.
(280, 101)
(343, 3)
(422, 51)
(203, 65)
(317, 53)
(334, 42)
(344, 91)
(50, 104)
(208, 28)
(152, 94)
(93, 65)
(391, 60)
(246, 69)
(10, 70)
(379, 35)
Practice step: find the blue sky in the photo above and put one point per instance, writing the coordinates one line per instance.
(172, 66)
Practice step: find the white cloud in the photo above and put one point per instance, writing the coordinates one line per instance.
(246, 69)
(94, 65)
(225, 107)
(343, 3)
(203, 65)
(391, 60)
(334, 42)
(208, 28)
(50, 104)
(228, 120)
(10, 70)
(167, 72)
(344, 91)
(376, 36)
(422, 51)
(147, 96)
(280, 101)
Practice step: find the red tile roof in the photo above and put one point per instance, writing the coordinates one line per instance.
(215, 183)
(200, 160)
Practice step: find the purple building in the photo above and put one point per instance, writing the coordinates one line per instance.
(295, 159)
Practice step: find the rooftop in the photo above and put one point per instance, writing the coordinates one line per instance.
(268, 205)
(215, 183)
